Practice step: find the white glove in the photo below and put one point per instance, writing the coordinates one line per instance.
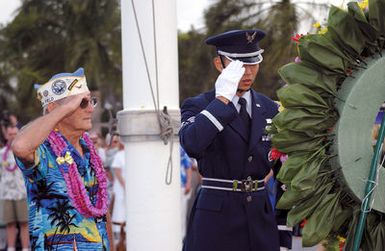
(227, 82)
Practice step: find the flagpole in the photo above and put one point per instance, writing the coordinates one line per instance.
(150, 82)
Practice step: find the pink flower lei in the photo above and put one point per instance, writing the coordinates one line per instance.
(5, 157)
(75, 185)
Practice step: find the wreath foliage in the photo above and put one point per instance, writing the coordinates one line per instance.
(304, 129)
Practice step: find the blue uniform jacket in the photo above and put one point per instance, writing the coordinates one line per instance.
(214, 134)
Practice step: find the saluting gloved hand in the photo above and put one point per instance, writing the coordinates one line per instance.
(227, 82)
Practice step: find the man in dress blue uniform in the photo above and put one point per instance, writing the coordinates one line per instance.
(224, 129)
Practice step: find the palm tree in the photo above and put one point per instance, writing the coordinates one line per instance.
(194, 59)
(42, 191)
(94, 37)
(59, 212)
(61, 217)
(47, 244)
(33, 241)
(7, 91)
(280, 19)
(73, 34)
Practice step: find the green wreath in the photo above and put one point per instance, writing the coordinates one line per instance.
(331, 101)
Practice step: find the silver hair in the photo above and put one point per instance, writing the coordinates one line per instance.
(45, 110)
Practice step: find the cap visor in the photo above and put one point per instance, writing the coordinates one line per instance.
(248, 60)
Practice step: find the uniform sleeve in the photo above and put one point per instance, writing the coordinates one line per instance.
(201, 126)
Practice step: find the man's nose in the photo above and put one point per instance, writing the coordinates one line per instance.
(90, 107)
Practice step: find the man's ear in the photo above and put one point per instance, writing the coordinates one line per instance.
(218, 63)
(51, 106)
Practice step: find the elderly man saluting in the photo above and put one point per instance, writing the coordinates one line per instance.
(224, 129)
(65, 179)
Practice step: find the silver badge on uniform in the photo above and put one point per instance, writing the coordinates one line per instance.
(266, 138)
(188, 121)
(268, 124)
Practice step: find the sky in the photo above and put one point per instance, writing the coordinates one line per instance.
(189, 12)
(7, 9)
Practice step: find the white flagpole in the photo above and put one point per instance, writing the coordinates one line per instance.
(153, 207)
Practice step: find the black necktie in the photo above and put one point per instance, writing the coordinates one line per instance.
(244, 115)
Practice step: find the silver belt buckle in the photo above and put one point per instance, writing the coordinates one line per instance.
(247, 185)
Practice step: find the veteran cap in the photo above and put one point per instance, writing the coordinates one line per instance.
(239, 45)
(61, 86)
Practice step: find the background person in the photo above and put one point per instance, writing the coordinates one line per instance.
(98, 142)
(13, 194)
(119, 188)
(113, 146)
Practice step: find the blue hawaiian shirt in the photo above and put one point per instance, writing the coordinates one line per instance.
(54, 223)
(185, 163)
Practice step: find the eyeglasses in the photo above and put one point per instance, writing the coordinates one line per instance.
(85, 101)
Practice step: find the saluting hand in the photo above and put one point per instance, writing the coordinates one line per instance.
(227, 82)
(71, 103)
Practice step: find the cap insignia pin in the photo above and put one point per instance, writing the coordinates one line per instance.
(72, 84)
(58, 87)
(251, 37)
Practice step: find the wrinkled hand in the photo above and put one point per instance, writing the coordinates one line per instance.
(227, 82)
(71, 103)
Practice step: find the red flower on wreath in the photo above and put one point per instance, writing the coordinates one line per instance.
(303, 223)
(296, 38)
(275, 154)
